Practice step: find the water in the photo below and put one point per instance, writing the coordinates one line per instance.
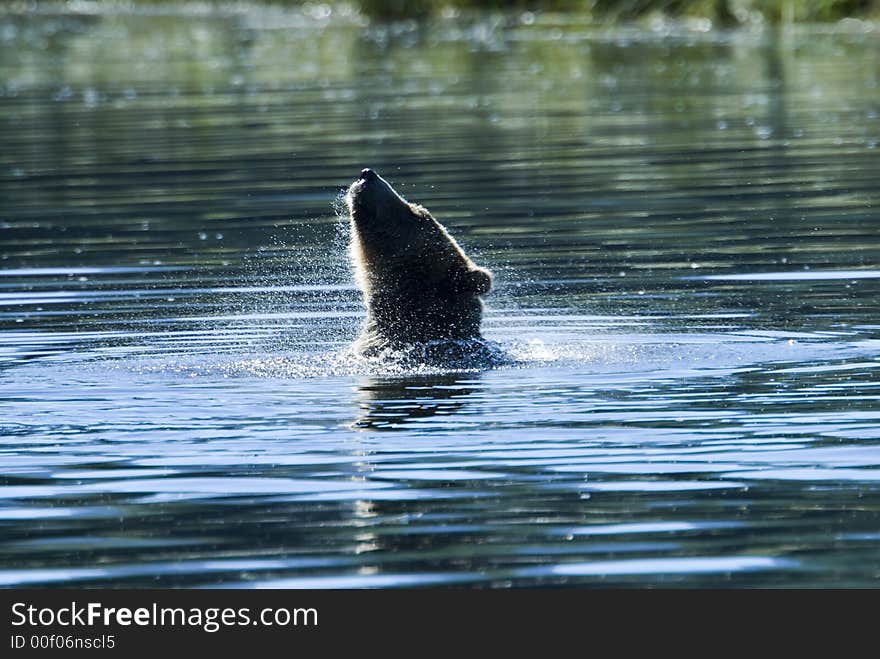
(683, 227)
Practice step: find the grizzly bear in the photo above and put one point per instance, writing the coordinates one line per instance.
(419, 286)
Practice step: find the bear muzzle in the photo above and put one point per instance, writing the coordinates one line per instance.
(370, 197)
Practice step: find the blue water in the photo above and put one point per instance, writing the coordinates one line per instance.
(683, 229)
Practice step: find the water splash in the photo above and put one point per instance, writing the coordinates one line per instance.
(606, 355)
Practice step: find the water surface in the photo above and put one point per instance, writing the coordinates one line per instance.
(683, 228)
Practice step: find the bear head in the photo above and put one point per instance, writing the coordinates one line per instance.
(417, 282)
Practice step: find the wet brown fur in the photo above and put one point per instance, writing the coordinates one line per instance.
(418, 284)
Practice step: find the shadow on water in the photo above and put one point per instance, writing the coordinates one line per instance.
(395, 403)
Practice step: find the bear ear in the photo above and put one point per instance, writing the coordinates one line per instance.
(479, 281)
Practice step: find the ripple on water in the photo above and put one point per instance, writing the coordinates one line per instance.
(686, 302)
(662, 566)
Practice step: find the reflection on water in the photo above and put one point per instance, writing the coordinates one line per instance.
(683, 229)
(392, 403)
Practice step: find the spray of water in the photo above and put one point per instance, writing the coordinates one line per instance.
(303, 311)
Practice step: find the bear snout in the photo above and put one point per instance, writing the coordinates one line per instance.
(370, 194)
(363, 191)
